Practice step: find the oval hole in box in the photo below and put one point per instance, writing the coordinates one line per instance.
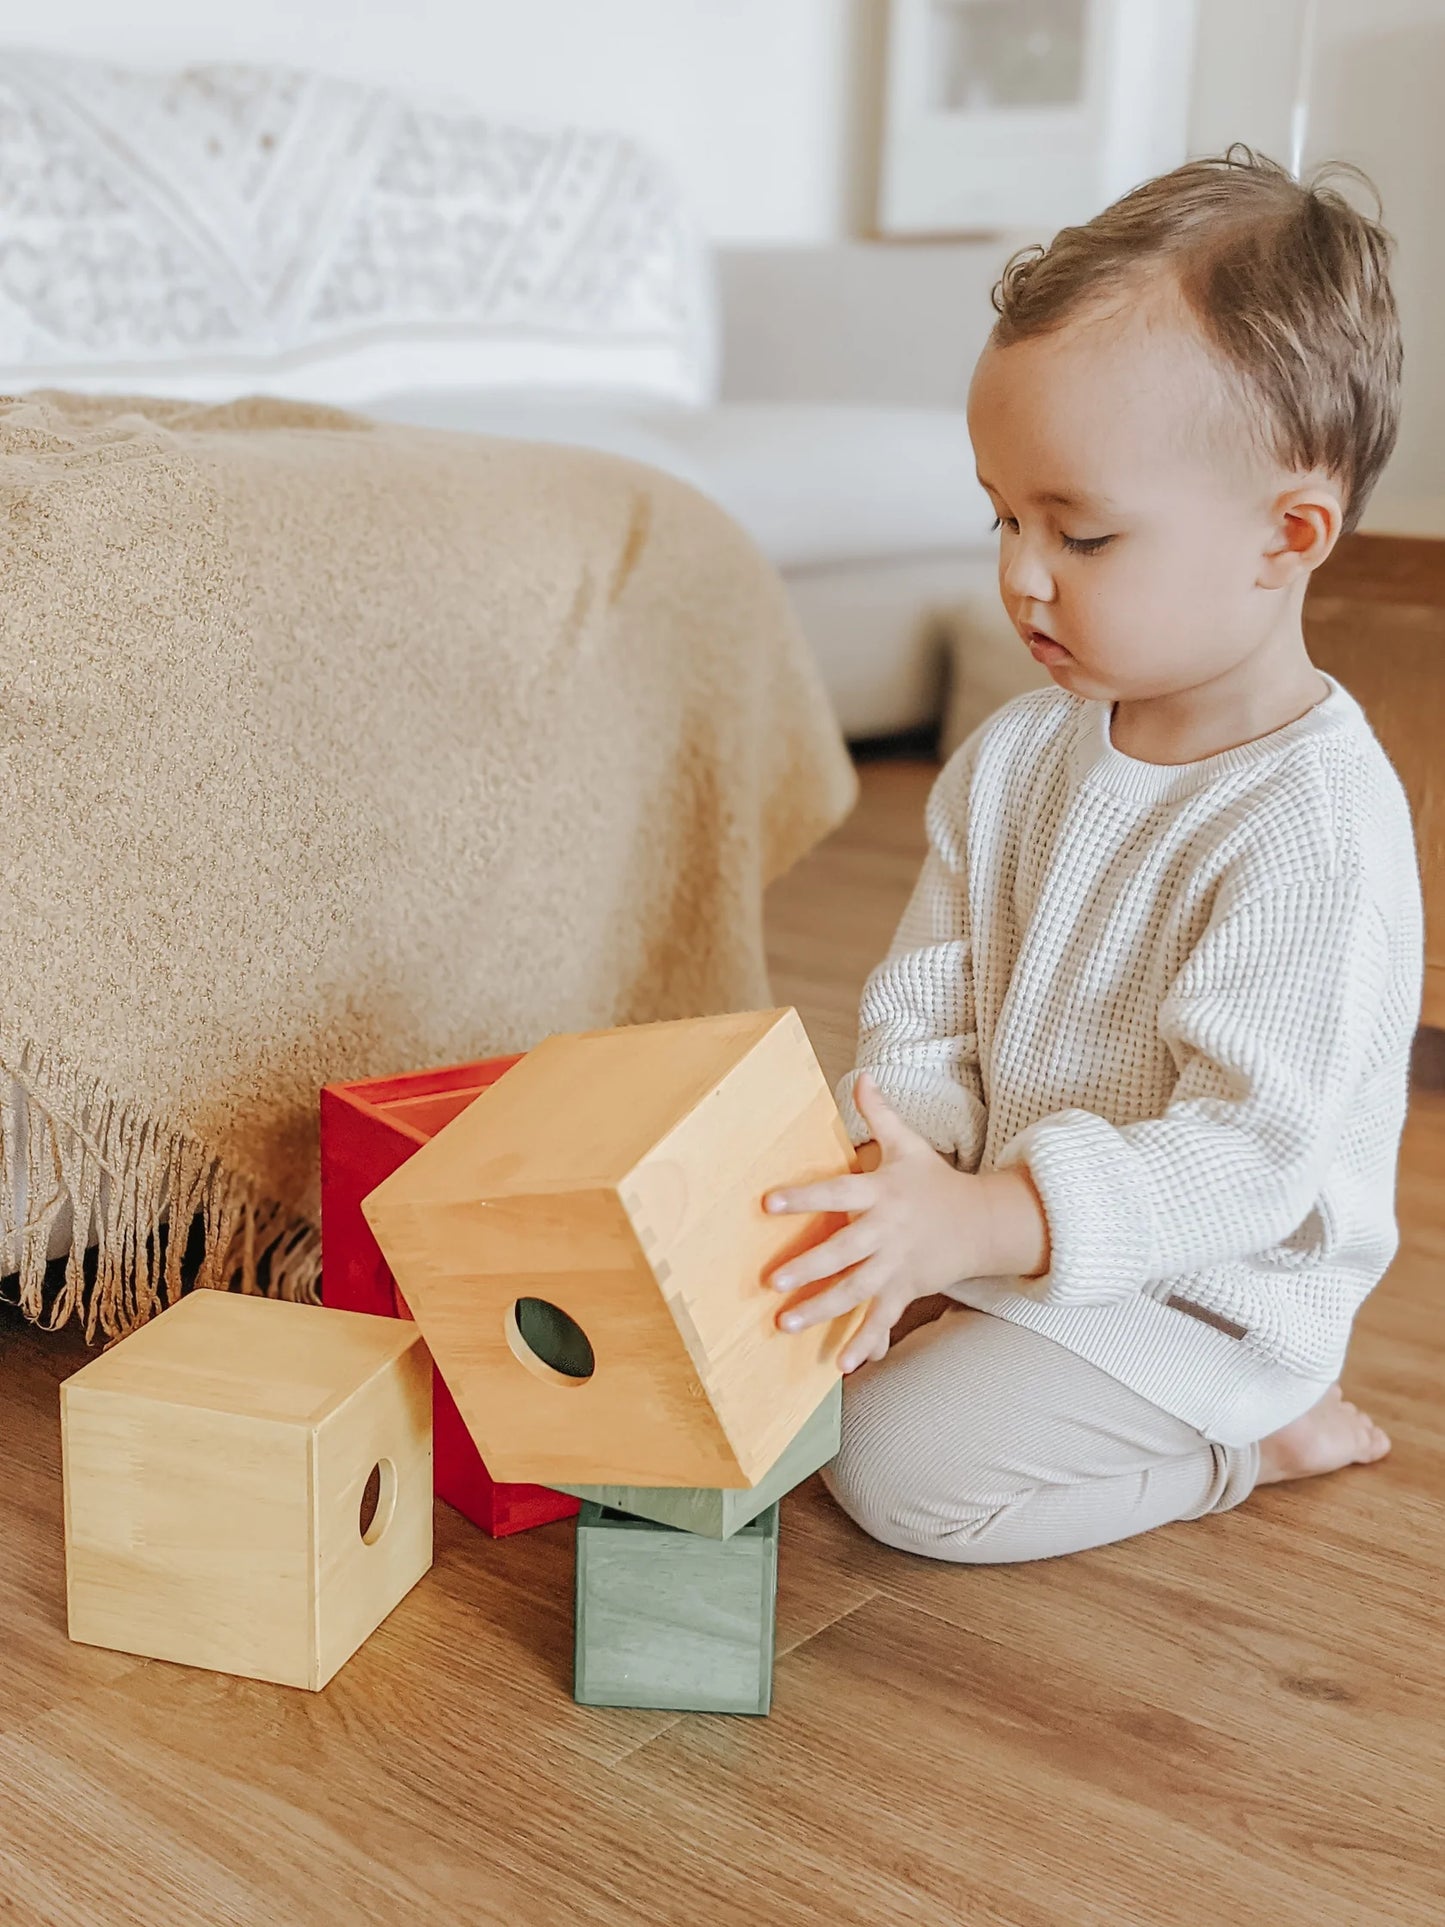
(549, 1343)
(378, 1502)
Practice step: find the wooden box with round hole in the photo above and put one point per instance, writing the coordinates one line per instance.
(586, 1251)
(248, 1486)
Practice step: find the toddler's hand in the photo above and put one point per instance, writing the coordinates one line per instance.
(918, 1225)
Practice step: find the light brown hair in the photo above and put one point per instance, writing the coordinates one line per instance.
(1287, 282)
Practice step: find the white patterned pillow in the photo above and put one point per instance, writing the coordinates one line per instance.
(224, 230)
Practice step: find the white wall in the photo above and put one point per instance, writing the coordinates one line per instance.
(1375, 92)
(753, 101)
(767, 111)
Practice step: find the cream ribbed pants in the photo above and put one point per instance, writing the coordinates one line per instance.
(984, 1442)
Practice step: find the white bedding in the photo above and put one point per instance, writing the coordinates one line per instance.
(218, 230)
(813, 483)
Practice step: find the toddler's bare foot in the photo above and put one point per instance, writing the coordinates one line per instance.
(1329, 1435)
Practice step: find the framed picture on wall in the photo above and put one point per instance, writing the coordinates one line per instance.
(1028, 114)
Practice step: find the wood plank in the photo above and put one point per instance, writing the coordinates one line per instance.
(41, 1668)
(1050, 1795)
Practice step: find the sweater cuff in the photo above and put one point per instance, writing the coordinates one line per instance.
(1097, 1202)
(852, 1117)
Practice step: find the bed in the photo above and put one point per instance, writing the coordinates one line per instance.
(342, 747)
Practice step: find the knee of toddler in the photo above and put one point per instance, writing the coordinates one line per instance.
(901, 1513)
(875, 1492)
(860, 1496)
(878, 1480)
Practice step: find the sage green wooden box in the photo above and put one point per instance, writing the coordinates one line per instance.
(668, 1618)
(718, 1512)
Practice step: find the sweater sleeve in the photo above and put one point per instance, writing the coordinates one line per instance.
(917, 1028)
(1270, 1021)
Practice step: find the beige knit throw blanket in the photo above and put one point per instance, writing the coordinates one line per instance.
(328, 751)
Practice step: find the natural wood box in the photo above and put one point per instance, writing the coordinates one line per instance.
(217, 1463)
(609, 1189)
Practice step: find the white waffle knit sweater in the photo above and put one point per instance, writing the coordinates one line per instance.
(1184, 996)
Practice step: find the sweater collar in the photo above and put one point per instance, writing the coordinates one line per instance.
(1102, 766)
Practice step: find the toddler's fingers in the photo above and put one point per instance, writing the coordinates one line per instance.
(834, 1255)
(870, 1341)
(846, 1295)
(853, 1193)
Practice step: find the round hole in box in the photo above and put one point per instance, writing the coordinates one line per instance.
(378, 1501)
(549, 1342)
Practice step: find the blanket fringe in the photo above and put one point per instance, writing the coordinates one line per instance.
(68, 1134)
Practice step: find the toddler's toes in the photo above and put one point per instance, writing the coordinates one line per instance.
(1332, 1434)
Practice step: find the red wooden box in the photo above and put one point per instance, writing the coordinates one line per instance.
(367, 1130)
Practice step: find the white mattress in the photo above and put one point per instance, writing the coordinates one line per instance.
(813, 483)
(878, 632)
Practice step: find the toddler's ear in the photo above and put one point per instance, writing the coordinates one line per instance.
(1306, 525)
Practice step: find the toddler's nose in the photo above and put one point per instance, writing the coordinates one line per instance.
(1026, 575)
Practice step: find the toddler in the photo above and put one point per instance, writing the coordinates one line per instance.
(1133, 1075)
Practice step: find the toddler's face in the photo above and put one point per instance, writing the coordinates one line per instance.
(1131, 537)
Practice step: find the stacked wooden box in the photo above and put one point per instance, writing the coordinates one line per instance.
(586, 1252)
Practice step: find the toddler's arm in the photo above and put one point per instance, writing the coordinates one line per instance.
(917, 1029)
(1270, 1021)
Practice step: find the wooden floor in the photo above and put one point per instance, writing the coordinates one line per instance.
(1233, 1722)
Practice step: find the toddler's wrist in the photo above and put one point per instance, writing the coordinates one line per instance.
(1015, 1231)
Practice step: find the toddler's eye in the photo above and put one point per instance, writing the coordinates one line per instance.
(1086, 544)
(999, 522)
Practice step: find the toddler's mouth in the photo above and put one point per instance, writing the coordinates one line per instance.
(1043, 647)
